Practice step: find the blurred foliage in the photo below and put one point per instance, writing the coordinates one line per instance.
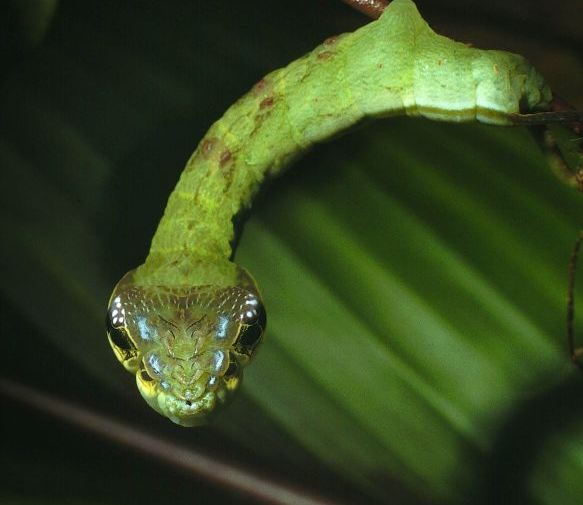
(414, 272)
(23, 25)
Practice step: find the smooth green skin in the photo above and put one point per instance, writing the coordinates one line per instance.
(393, 66)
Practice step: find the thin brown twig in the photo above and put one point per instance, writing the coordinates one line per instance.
(573, 177)
(538, 118)
(261, 489)
(576, 353)
(560, 112)
(372, 8)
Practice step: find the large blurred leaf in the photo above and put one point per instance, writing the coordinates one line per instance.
(414, 273)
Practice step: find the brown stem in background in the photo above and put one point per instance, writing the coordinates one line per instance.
(538, 118)
(259, 488)
(547, 142)
(372, 8)
(560, 112)
(560, 105)
(576, 353)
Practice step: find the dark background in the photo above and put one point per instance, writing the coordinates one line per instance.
(414, 273)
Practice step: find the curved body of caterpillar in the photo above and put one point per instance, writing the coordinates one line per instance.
(188, 319)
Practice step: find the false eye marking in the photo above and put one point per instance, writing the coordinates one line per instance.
(118, 313)
(232, 369)
(252, 311)
(145, 376)
(119, 339)
(232, 376)
(253, 322)
(248, 339)
(117, 333)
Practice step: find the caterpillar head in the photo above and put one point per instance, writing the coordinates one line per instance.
(186, 346)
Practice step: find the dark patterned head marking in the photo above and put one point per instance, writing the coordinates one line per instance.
(187, 346)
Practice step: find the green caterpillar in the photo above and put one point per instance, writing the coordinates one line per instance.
(188, 320)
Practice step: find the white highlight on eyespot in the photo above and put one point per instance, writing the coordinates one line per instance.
(117, 302)
(116, 317)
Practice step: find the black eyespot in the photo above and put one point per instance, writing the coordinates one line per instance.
(118, 335)
(232, 376)
(145, 376)
(261, 317)
(253, 320)
(250, 337)
(232, 370)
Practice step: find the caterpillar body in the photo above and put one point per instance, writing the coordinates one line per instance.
(189, 319)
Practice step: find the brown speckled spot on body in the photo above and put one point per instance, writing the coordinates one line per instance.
(325, 55)
(225, 158)
(330, 41)
(227, 167)
(207, 146)
(259, 87)
(266, 103)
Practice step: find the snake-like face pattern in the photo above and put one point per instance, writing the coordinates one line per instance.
(187, 346)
